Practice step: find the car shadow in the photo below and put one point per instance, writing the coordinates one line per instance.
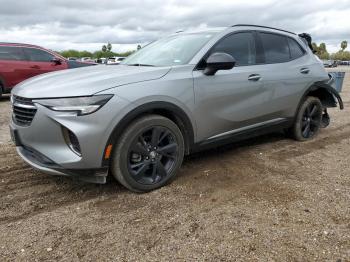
(193, 160)
(5, 98)
(235, 146)
(51, 192)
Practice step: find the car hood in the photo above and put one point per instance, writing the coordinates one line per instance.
(86, 81)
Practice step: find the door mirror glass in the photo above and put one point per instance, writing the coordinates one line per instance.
(218, 61)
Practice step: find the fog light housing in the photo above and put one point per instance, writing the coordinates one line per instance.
(71, 140)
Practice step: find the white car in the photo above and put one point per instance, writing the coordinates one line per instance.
(115, 60)
(86, 59)
(101, 60)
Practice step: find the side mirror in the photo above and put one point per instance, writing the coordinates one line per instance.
(56, 61)
(219, 61)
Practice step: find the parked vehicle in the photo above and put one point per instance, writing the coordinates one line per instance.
(72, 58)
(22, 61)
(115, 60)
(87, 60)
(101, 60)
(344, 63)
(330, 63)
(178, 95)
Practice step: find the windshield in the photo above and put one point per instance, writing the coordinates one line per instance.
(173, 50)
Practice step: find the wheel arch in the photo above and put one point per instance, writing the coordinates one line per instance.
(328, 96)
(166, 109)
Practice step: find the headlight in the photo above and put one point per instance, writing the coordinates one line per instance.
(82, 105)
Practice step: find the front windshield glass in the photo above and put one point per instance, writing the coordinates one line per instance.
(173, 50)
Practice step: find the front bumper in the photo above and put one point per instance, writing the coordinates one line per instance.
(43, 146)
(33, 158)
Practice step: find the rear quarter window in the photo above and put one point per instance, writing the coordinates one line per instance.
(296, 50)
(11, 53)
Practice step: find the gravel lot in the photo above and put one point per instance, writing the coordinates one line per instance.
(265, 199)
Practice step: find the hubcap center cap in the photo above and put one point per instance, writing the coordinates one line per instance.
(153, 154)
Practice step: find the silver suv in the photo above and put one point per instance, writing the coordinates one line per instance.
(178, 95)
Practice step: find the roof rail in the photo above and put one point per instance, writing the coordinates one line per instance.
(268, 27)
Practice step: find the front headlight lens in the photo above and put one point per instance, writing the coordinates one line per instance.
(82, 105)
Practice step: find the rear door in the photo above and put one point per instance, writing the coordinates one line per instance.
(231, 100)
(40, 61)
(286, 73)
(13, 67)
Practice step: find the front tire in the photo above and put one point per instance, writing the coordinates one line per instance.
(148, 154)
(308, 120)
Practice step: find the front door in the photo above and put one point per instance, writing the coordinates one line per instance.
(231, 99)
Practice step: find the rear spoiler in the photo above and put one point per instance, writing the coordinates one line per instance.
(307, 39)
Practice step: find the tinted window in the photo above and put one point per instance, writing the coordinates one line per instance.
(275, 47)
(295, 49)
(11, 53)
(38, 55)
(241, 46)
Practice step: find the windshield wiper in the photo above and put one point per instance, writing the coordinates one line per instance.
(139, 65)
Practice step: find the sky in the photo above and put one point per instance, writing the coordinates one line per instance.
(88, 24)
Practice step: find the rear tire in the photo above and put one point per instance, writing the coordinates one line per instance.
(148, 154)
(308, 120)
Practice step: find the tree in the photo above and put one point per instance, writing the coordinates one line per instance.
(85, 54)
(321, 51)
(104, 48)
(341, 55)
(70, 53)
(96, 54)
(344, 45)
(109, 47)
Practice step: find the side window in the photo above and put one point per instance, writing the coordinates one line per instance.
(38, 55)
(11, 53)
(275, 47)
(295, 49)
(241, 46)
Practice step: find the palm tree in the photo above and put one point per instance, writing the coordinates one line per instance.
(344, 45)
(109, 47)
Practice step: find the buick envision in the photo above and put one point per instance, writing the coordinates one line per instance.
(178, 95)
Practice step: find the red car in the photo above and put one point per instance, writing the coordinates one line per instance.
(21, 61)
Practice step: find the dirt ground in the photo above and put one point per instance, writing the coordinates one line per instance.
(265, 199)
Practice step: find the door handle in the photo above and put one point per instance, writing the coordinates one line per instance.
(254, 77)
(35, 67)
(304, 70)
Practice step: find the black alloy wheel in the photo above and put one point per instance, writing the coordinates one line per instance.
(308, 120)
(311, 120)
(148, 153)
(152, 155)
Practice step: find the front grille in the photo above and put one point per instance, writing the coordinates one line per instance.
(23, 110)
